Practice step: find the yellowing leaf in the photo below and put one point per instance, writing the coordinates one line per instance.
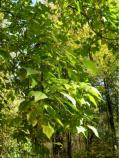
(1, 16)
(48, 130)
(59, 23)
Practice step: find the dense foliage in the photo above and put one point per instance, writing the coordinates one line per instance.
(59, 78)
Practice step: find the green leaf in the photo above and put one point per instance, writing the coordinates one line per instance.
(69, 98)
(24, 106)
(94, 92)
(90, 66)
(81, 129)
(83, 85)
(32, 118)
(33, 83)
(94, 130)
(82, 101)
(34, 122)
(48, 130)
(78, 7)
(91, 98)
(52, 113)
(50, 110)
(38, 95)
(5, 54)
(31, 71)
(59, 121)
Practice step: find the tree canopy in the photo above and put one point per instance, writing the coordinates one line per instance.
(59, 76)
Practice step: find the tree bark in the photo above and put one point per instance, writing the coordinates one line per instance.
(69, 145)
(57, 148)
(110, 112)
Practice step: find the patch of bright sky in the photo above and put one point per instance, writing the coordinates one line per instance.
(42, 1)
(34, 1)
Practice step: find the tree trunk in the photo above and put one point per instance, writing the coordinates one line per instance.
(110, 113)
(69, 145)
(58, 145)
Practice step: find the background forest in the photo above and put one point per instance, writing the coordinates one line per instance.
(59, 79)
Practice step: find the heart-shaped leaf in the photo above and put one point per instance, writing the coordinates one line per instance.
(48, 130)
(38, 95)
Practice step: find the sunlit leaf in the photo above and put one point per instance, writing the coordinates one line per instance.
(94, 130)
(78, 7)
(81, 129)
(94, 92)
(82, 101)
(69, 98)
(59, 121)
(1, 16)
(38, 95)
(48, 130)
(91, 98)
